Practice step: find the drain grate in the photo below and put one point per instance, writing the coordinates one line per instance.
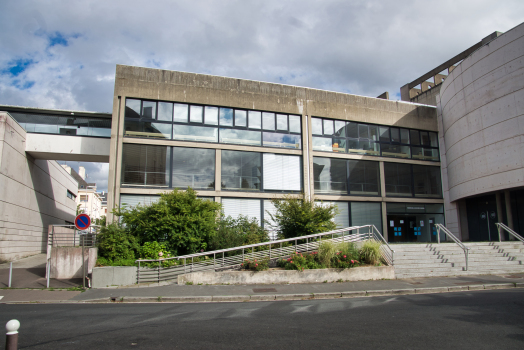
(264, 290)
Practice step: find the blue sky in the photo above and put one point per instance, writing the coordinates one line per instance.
(62, 54)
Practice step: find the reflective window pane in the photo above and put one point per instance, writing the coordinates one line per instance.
(414, 137)
(322, 144)
(147, 129)
(282, 122)
(195, 114)
(433, 138)
(397, 151)
(352, 130)
(241, 170)
(268, 121)
(330, 175)
(226, 116)
(373, 132)
(339, 145)
(425, 153)
(384, 134)
(363, 147)
(395, 135)
(211, 115)
(240, 137)
(363, 131)
(148, 109)
(255, 119)
(165, 111)
(364, 178)
(195, 133)
(316, 126)
(328, 127)
(398, 179)
(424, 138)
(193, 167)
(404, 136)
(144, 165)
(132, 108)
(427, 181)
(240, 117)
(281, 140)
(180, 112)
(340, 128)
(294, 123)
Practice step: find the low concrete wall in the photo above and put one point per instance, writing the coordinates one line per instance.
(66, 262)
(113, 276)
(290, 276)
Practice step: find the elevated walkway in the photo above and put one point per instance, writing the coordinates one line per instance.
(69, 148)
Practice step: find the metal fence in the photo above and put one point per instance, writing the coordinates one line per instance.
(69, 236)
(233, 257)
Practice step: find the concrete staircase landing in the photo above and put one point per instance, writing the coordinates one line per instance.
(448, 259)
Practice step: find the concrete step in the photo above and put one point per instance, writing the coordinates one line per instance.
(456, 273)
(460, 265)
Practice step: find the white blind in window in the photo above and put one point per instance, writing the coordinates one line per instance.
(247, 207)
(132, 200)
(281, 172)
(270, 225)
(363, 213)
(342, 218)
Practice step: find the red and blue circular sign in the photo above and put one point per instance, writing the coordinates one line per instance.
(82, 222)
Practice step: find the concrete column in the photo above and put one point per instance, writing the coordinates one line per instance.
(307, 157)
(113, 195)
(384, 221)
(382, 180)
(499, 211)
(218, 170)
(509, 213)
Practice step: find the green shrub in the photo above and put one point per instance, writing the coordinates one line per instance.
(179, 219)
(255, 264)
(117, 262)
(301, 262)
(237, 232)
(153, 251)
(296, 217)
(326, 253)
(370, 252)
(115, 243)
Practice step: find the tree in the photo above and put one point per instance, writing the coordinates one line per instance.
(116, 243)
(296, 217)
(237, 232)
(179, 219)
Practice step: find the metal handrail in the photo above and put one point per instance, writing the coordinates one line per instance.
(381, 238)
(455, 239)
(217, 260)
(510, 231)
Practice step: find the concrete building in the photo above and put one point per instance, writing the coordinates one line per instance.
(242, 142)
(34, 193)
(481, 126)
(88, 201)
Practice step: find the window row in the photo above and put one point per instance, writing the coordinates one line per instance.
(180, 167)
(406, 180)
(358, 138)
(200, 123)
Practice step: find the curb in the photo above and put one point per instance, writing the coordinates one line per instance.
(279, 297)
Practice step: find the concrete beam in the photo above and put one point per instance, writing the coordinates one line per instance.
(70, 148)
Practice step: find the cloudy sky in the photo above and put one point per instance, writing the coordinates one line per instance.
(62, 54)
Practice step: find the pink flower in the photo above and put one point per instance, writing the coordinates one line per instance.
(160, 254)
(344, 256)
(338, 253)
(256, 264)
(291, 261)
(352, 261)
(242, 265)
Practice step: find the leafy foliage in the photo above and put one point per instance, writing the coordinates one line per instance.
(370, 252)
(341, 255)
(256, 264)
(298, 217)
(116, 243)
(180, 220)
(237, 232)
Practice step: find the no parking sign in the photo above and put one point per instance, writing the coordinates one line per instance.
(82, 222)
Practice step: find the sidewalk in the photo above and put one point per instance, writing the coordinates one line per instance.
(266, 292)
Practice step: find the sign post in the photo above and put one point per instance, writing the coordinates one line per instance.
(82, 222)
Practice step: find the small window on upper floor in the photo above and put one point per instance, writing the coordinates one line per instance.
(71, 195)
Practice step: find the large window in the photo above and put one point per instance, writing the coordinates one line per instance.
(64, 125)
(193, 167)
(144, 165)
(187, 122)
(367, 139)
(281, 173)
(405, 180)
(340, 176)
(241, 170)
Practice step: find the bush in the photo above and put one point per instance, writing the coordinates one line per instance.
(179, 219)
(255, 265)
(117, 262)
(116, 244)
(301, 262)
(237, 232)
(296, 217)
(370, 252)
(153, 251)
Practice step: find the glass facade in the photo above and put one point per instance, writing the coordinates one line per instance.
(413, 222)
(193, 167)
(63, 125)
(144, 165)
(367, 139)
(407, 180)
(188, 122)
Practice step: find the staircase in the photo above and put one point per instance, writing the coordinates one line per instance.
(448, 259)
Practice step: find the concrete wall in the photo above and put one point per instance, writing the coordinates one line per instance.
(113, 276)
(287, 276)
(481, 107)
(428, 97)
(74, 148)
(66, 262)
(33, 195)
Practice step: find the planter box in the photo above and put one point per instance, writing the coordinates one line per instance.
(290, 276)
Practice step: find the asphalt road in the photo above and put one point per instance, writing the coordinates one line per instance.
(465, 320)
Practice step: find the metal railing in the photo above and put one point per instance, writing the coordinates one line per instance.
(69, 236)
(500, 225)
(222, 260)
(448, 233)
